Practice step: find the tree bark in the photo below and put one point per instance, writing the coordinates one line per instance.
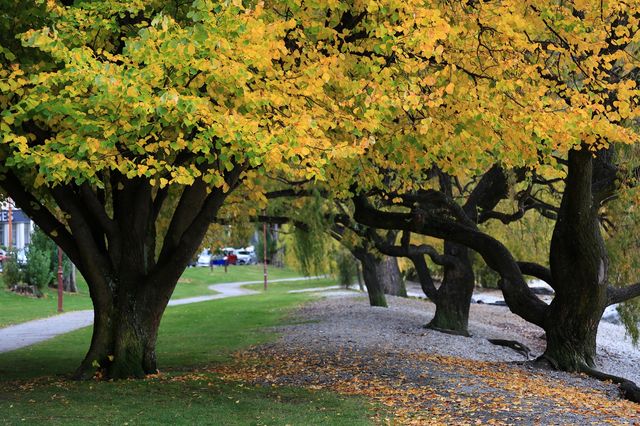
(454, 294)
(371, 278)
(101, 346)
(126, 321)
(389, 275)
(579, 265)
(453, 298)
(135, 336)
(69, 281)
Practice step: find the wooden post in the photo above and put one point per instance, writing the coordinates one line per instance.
(60, 293)
(10, 220)
(264, 235)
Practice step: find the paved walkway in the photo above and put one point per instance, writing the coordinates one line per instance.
(31, 332)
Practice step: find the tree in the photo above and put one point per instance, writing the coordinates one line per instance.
(12, 273)
(453, 297)
(41, 244)
(314, 217)
(116, 107)
(579, 61)
(38, 271)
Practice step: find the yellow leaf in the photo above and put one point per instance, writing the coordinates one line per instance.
(449, 88)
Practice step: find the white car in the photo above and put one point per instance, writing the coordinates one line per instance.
(204, 259)
(245, 257)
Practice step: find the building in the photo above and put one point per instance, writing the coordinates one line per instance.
(21, 225)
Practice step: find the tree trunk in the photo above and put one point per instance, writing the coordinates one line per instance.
(359, 276)
(579, 266)
(390, 277)
(125, 332)
(370, 275)
(135, 338)
(101, 346)
(454, 294)
(69, 281)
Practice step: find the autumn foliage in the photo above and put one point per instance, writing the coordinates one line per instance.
(126, 127)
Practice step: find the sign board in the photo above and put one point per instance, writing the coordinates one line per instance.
(18, 216)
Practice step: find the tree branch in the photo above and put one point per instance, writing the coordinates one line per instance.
(94, 263)
(175, 255)
(622, 294)
(41, 215)
(191, 203)
(537, 271)
(424, 276)
(517, 293)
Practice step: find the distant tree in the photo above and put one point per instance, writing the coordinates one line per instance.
(347, 267)
(11, 271)
(38, 270)
(42, 243)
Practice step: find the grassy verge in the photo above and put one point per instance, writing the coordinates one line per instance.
(192, 337)
(200, 399)
(195, 281)
(15, 308)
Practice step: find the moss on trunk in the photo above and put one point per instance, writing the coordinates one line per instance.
(454, 294)
(579, 268)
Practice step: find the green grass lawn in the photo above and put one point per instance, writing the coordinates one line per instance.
(15, 308)
(34, 388)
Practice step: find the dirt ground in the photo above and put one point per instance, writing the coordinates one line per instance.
(414, 375)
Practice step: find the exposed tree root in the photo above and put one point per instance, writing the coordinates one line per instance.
(84, 373)
(628, 389)
(513, 344)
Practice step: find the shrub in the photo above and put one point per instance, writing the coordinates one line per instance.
(41, 243)
(38, 271)
(347, 268)
(12, 273)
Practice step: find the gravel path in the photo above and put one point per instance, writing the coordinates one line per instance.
(616, 353)
(385, 353)
(343, 319)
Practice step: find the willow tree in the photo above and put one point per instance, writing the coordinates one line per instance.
(115, 107)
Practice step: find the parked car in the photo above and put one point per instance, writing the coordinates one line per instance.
(204, 258)
(229, 255)
(245, 257)
(232, 259)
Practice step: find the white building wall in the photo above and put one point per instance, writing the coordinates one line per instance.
(21, 234)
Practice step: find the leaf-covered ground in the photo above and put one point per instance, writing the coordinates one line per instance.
(431, 389)
(425, 388)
